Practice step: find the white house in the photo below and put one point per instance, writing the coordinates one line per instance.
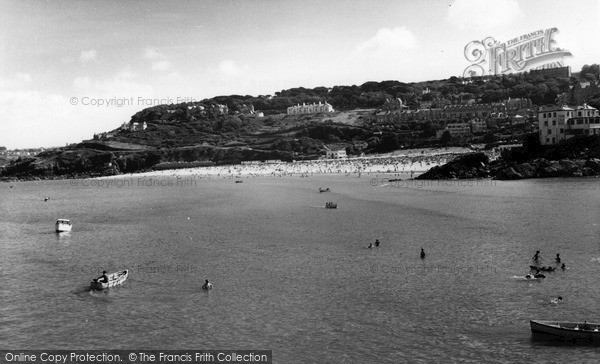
(135, 126)
(585, 121)
(310, 109)
(336, 154)
(552, 120)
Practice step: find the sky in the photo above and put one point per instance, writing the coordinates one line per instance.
(69, 69)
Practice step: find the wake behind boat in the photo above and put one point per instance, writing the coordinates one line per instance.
(114, 279)
(565, 330)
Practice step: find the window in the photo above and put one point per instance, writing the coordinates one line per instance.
(554, 114)
(549, 131)
(553, 122)
(562, 131)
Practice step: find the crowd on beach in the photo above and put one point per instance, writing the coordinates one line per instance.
(407, 164)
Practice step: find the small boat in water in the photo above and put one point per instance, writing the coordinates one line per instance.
(530, 277)
(323, 189)
(331, 205)
(542, 268)
(114, 279)
(63, 225)
(565, 330)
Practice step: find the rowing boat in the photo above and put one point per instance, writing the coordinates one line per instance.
(565, 330)
(63, 225)
(530, 277)
(114, 279)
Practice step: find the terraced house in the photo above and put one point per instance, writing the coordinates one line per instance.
(310, 109)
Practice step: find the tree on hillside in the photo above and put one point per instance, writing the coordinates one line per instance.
(594, 102)
(321, 91)
(429, 130)
(489, 138)
(494, 95)
(446, 137)
(590, 77)
(593, 69)
(370, 86)
(531, 144)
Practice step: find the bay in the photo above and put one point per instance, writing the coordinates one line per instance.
(296, 278)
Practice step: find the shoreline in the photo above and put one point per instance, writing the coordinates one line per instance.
(411, 162)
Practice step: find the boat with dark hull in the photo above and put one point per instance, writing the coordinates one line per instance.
(565, 330)
(331, 205)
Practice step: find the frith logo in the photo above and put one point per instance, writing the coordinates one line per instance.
(535, 50)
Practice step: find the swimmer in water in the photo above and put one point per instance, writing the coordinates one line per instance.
(207, 285)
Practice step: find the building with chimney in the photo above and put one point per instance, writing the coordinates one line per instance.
(310, 109)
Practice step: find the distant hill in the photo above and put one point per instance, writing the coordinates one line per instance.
(190, 138)
(540, 89)
(235, 128)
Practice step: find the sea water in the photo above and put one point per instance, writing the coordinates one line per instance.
(296, 278)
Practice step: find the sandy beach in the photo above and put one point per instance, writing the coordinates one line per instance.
(403, 163)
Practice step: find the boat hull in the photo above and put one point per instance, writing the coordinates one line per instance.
(114, 279)
(573, 331)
